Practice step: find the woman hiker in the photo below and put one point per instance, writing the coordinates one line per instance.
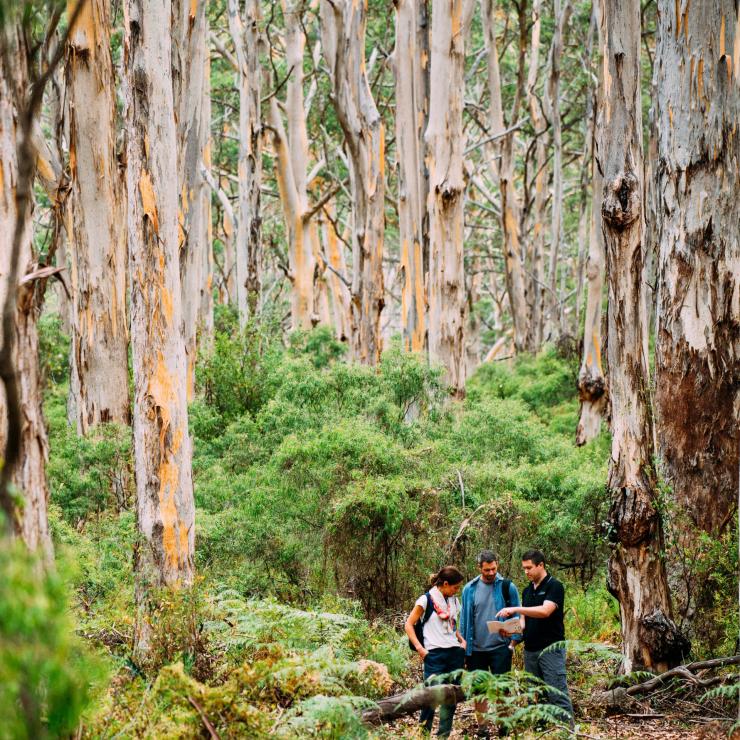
(441, 646)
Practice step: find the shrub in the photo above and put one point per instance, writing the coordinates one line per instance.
(46, 674)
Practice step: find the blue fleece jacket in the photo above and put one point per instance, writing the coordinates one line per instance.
(467, 619)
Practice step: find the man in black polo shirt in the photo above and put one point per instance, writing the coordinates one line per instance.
(543, 605)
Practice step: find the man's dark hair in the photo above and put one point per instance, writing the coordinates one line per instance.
(535, 556)
(486, 556)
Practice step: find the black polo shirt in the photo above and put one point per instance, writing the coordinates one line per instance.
(539, 632)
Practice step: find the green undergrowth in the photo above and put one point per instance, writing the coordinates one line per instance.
(326, 493)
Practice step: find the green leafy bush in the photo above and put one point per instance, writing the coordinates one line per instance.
(47, 677)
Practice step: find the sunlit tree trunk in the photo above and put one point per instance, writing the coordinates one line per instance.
(502, 170)
(99, 350)
(245, 35)
(189, 51)
(343, 41)
(445, 141)
(162, 451)
(698, 310)
(411, 67)
(28, 474)
(636, 570)
(591, 379)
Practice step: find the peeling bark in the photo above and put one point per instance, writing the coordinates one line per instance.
(162, 449)
(245, 35)
(636, 570)
(28, 473)
(445, 140)
(98, 252)
(337, 277)
(411, 67)
(343, 41)
(698, 306)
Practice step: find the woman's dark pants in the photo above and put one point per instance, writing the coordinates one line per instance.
(439, 661)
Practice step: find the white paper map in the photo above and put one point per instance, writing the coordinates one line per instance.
(510, 625)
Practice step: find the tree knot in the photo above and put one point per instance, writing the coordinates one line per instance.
(622, 204)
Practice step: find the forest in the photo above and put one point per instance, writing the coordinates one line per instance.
(304, 300)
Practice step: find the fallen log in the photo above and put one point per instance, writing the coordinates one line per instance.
(621, 697)
(393, 707)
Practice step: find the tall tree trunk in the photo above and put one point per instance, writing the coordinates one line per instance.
(245, 35)
(343, 41)
(189, 50)
(445, 141)
(552, 98)
(698, 316)
(502, 171)
(205, 310)
(591, 378)
(162, 451)
(99, 349)
(637, 574)
(536, 293)
(411, 66)
(27, 433)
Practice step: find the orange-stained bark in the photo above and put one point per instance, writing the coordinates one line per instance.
(411, 68)
(97, 249)
(162, 449)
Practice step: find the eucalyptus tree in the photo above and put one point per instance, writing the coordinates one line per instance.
(162, 448)
(697, 396)
(190, 87)
(411, 68)
(97, 248)
(445, 141)
(636, 570)
(343, 41)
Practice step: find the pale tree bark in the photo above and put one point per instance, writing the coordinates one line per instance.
(162, 449)
(411, 67)
(189, 51)
(98, 256)
(502, 172)
(636, 570)
(343, 41)
(536, 292)
(552, 110)
(23, 438)
(245, 35)
(205, 312)
(339, 285)
(592, 389)
(698, 311)
(445, 142)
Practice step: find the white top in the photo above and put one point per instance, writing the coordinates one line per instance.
(440, 633)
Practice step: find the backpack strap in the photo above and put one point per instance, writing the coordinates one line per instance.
(506, 591)
(428, 611)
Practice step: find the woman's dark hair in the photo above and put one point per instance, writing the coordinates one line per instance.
(449, 574)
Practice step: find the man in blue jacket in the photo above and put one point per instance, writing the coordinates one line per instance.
(482, 599)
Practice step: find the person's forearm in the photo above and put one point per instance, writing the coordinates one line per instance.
(412, 636)
(534, 611)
